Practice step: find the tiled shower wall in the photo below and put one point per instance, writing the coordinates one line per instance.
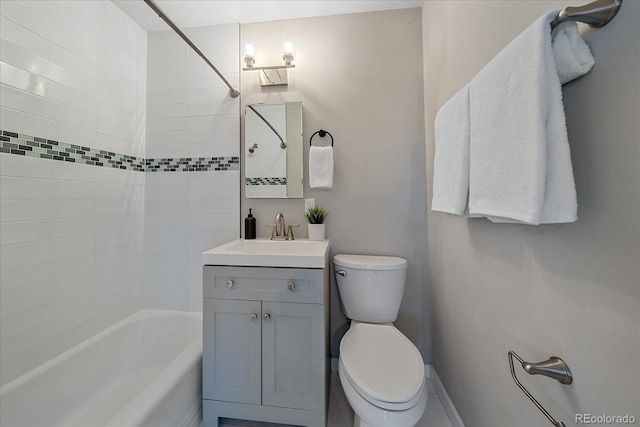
(72, 73)
(189, 116)
(99, 217)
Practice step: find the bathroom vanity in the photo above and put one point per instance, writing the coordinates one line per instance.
(266, 332)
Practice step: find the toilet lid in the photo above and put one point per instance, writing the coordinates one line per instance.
(382, 364)
(370, 262)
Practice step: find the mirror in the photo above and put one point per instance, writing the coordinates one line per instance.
(273, 150)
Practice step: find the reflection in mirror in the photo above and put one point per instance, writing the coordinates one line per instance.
(273, 150)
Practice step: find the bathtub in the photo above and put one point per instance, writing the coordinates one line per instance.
(144, 371)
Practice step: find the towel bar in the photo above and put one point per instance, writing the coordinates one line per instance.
(554, 367)
(596, 14)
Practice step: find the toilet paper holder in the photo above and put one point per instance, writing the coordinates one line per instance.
(554, 367)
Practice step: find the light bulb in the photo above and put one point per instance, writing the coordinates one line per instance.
(249, 52)
(288, 53)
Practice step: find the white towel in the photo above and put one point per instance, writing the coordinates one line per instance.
(572, 55)
(520, 164)
(451, 164)
(321, 167)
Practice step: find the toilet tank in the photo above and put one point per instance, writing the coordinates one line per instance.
(370, 287)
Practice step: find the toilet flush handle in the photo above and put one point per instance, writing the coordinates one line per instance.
(341, 273)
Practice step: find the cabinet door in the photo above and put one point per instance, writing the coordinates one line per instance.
(293, 355)
(231, 350)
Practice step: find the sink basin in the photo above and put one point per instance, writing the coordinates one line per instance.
(300, 253)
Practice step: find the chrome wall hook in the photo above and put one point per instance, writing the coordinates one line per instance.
(554, 367)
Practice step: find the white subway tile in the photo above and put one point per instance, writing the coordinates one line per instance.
(16, 344)
(28, 297)
(13, 368)
(38, 188)
(119, 206)
(37, 85)
(167, 232)
(35, 252)
(71, 25)
(13, 278)
(167, 110)
(34, 42)
(165, 191)
(213, 108)
(162, 97)
(214, 122)
(168, 124)
(110, 276)
(20, 57)
(118, 122)
(165, 48)
(110, 239)
(36, 105)
(161, 246)
(105, 223)
(28, 124)
(226, 178)
(57, 305)
(32, 210)
(158, 140)
(119, 145)
(118, 306)
(31, 231)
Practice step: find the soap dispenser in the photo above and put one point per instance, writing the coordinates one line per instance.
(250, 226)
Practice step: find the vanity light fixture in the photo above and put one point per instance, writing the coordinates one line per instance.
(270, 75)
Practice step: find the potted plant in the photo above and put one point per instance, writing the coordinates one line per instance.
(316, 216)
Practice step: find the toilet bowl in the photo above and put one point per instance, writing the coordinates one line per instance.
(381, 371)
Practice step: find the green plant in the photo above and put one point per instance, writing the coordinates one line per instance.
(316, 215)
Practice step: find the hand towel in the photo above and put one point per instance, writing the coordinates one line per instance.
(321, 167)
(520, 164)
(451, 163)
(572, 55)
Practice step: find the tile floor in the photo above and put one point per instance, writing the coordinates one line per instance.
(341, 415)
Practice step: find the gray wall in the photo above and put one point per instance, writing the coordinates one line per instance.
(568, 290)
(359, 76)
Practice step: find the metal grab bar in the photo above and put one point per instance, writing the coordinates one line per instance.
(596, 14)
(553, 367)
(233, 91)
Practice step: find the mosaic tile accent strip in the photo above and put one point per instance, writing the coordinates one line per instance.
(193, 164)
(265, 181)
(33, 146)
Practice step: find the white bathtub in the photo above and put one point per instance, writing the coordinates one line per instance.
(143, 371)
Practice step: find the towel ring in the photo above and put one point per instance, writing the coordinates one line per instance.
(322, 134)
(553, 367)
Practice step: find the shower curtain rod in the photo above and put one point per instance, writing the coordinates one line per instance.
(596, 14)
(233, 91)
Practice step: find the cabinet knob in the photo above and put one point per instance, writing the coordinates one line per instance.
(253, 317)
(229, 283)
(266, 317)
(291, 286)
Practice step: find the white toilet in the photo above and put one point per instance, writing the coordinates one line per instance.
(381, 371)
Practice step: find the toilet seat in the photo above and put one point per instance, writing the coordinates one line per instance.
(383, 366)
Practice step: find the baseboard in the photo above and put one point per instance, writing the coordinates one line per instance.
(334, 364)
(446, 401)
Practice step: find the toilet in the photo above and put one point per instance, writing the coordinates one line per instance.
(381, 371)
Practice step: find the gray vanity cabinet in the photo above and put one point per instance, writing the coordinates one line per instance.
(265, 354)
